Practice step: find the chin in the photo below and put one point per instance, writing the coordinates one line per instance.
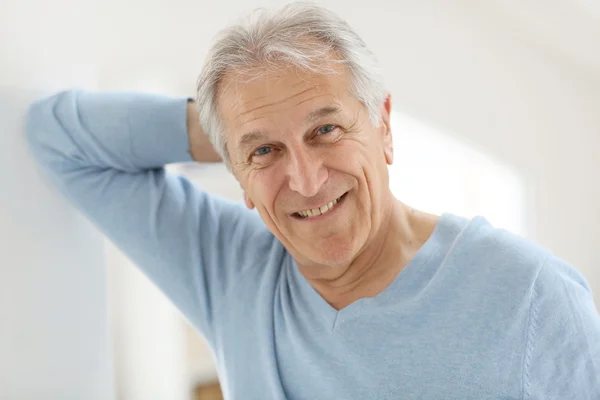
(333, 255)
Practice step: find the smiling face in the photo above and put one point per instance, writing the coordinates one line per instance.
(309, 159)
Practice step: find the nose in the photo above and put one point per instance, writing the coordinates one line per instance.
(306, 172)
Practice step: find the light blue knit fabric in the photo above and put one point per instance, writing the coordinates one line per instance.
(479, 313)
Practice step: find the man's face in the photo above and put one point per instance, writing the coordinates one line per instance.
(309, 159)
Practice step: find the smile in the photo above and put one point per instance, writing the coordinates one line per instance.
(315, 212)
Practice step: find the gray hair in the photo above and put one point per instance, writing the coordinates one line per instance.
(273, 39)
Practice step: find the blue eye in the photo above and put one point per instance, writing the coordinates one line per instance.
(325, 129)
(261, 151)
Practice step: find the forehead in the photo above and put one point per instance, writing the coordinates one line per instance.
(260, 97)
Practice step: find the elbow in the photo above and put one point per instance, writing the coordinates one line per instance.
(43, 128)
(35, 120)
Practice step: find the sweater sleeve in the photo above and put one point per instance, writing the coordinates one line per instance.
(562, 358)
(106, 153)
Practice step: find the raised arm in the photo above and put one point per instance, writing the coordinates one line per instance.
(106, 152)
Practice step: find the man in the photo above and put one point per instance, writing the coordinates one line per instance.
(333, 289)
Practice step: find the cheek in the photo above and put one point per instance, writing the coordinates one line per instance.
(264, 186)
(366, 162)
(354, 157)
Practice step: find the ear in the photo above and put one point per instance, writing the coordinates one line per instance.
(386, 111)
(248, 202)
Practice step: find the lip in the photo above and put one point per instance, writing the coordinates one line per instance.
(321, 217)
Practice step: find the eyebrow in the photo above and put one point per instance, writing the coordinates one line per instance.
(322, 112)
(250, 137)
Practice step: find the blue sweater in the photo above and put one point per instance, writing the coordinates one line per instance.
(479, 313)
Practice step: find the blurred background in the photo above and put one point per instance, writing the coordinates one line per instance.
(497, 113)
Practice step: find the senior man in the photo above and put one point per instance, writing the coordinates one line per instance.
(333, 289)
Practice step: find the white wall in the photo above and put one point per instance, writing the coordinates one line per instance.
(54, 341)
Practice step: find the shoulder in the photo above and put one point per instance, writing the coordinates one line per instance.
(561, 291)
(517, 256)
(542, 297)
(504, 263)
(497, 255)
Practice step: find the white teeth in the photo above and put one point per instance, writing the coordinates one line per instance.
(318, 211)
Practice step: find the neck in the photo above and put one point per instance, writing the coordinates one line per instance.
(401, 234)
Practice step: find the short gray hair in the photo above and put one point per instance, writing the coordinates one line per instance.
(272, 39)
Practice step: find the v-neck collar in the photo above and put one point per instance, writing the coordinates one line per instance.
(410, 279)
